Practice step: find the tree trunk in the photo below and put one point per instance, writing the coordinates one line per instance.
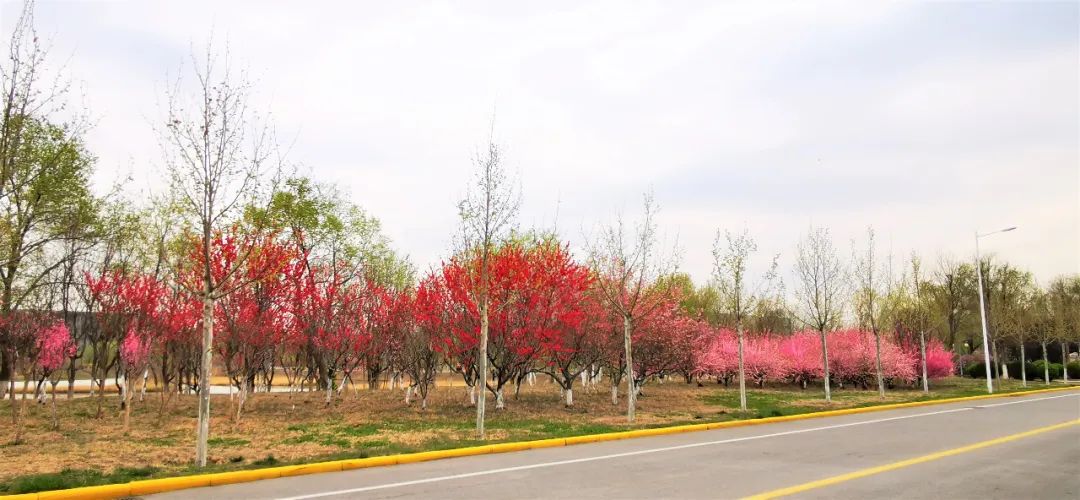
(482, 374)
(996, 360)
(922, 361)
(877, 364)
(614, 394)
(145, 379)
(742, 370)
(1065, 362)
(570, 397)
(825, 364)
(16, 410)
(55, 420)
(500, 403)
(1046, 366)
(71, 380)
(240, 399)
(128, 399)
(204, 376)
(1023, 365)
(631, 394)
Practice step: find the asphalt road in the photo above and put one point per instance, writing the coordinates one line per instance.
(887, 454)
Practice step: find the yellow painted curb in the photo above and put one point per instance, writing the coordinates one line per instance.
(243, 476)
(88, 492)
(148, 486)
(363, 463)
(151, 486)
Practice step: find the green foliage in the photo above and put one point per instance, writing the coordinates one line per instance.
(1074, 370)
(46, 198)
(320, 218)
(1055, 370)
(978, 370)
(1014, 370)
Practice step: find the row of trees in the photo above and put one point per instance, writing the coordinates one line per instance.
(248, 270)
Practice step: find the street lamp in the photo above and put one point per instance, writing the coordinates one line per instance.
(982, 307)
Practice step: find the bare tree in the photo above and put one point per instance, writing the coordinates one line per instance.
(738, 299)
(920, 316)
(1042, 317)
(216, 157)
(821, 288)
(1021, 316)
(867, 297)
(487, 214)
(628, 280)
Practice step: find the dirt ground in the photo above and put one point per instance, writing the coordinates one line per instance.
(292, 427)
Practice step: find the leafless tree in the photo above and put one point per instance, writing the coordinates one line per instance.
(629, 268)
(821, 289)
(921, 315)
(420, 361)
(217, 158)
(487, 215)
(868, 295)
(738, 298)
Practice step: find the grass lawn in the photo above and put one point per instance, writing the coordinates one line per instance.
(279, 429)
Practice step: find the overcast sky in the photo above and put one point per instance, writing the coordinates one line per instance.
(925, 120)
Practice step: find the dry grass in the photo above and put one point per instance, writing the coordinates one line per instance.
(302, 426)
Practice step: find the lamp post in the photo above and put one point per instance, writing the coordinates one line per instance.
(982, 307)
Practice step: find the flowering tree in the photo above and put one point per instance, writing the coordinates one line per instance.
(134, 357)
(802, 357)
(939, 361)
(762, 361)
(128, 302)
(579, 346)
(718, 355)
(662, 338)
(52, 348)
(534, 298)
(329, 326)
(254, 318)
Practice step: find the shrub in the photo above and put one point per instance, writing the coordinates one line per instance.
(1014, 370)
(1054, 369)
(978, 370)
(1074, 370)
(939, 360)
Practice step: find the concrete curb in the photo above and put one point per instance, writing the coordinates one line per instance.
(150, 486)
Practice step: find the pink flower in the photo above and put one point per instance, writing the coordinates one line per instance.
(54, 346)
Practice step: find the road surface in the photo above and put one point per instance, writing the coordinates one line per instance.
(1026, 447)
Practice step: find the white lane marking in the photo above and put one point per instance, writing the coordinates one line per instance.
(1027, 401)
(637, 452)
